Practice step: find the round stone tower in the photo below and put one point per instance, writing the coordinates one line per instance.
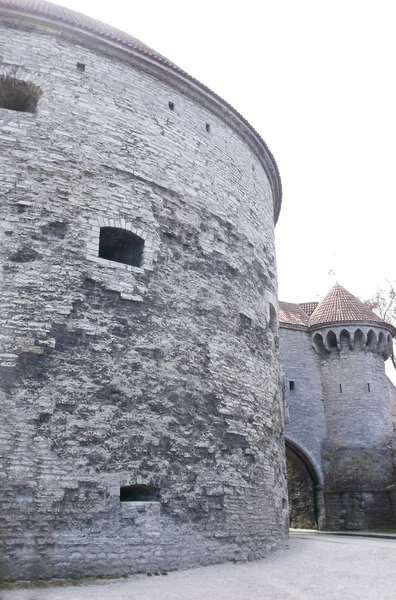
(357, 460)
(138, 310)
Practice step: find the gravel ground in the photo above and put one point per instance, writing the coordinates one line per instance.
(315, 567)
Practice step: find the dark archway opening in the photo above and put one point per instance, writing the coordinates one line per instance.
(301, 484)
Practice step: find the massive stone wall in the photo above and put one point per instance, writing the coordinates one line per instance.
(305, 429)
(301, 365)
(164, 374)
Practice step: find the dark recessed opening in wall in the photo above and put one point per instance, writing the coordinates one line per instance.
(368, 387)
(332, 340)
(18, 95)
(80, 67)
(291, 386)
(121, 246)
(340, 388)
(208, 127)
(171, 105)
(139, 493)
(273, 319)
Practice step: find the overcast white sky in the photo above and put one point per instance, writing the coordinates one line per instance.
(317, 80)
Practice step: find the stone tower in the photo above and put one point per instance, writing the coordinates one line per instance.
(139, 310)
(353, 344)
(339, 438)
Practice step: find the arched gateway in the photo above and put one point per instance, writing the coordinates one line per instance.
(305, 489)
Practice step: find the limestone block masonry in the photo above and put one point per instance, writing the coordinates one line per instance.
(161, 373)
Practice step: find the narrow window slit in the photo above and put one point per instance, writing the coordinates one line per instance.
(368, 387)
(291, 386)
(171, 105)
(340, 388)
(208, 127)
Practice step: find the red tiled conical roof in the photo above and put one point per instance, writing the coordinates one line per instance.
(341, 306)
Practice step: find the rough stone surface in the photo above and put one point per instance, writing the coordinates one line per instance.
(301, 496)
(301, 365)
(114, 375)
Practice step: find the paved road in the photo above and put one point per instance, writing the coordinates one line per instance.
(315, 567)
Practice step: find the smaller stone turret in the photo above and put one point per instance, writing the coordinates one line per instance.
(353, 344)
(352, 431)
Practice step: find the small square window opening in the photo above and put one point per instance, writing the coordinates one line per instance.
(18, 95)
(120, 245)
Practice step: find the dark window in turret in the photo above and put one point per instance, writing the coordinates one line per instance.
(18, 95)
(291, 386)
(139, 493)
(332, 339)
(340, 388)
(368, 387)
(121, 246)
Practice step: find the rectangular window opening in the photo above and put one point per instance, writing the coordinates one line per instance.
(80, 67)
(291, 386)
(139, 493)
(340, 388)
(120, 245)
(368, 387)
(18, 95)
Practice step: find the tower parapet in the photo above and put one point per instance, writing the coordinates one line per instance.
(353, 337)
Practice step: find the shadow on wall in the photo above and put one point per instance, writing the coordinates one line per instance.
(302, 484)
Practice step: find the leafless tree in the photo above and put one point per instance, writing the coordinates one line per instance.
(383, 302)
